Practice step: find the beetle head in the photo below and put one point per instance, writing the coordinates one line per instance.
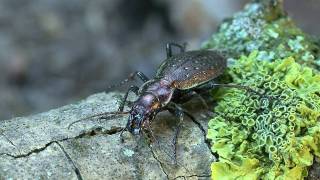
(142, 112)
(135, 123)
(137, 119)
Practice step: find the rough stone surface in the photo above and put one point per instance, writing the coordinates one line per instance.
(42, 147)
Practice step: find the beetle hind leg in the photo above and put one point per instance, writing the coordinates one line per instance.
(178, 112)
(187, 96)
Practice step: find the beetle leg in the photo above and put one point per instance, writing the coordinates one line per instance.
(185, 97)
(201, 99)
(178, 112)
(134, 89)
(131, 77)
(169, 48)
(247, 88)
(140, 74)
(212, 84)
(193, 119)
(150, 132)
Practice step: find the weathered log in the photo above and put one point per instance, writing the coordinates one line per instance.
(42, 147)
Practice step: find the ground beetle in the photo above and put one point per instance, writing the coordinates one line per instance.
(180, 77)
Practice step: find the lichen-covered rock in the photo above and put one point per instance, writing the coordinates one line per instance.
(271, 136)
(265, 27)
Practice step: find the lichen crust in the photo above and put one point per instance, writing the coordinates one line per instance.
(273, 34)
(274, 134)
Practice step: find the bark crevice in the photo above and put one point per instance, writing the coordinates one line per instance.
(90, 133)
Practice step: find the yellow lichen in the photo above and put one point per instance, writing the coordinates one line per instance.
(271, 136)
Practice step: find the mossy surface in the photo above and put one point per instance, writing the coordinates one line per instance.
(267, 29)
(274, 136)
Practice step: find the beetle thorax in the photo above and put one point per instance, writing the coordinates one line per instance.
(156, 92)
(148, 102)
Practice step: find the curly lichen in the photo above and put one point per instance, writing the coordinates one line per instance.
(277, 135)
(272, 33)
(271, 135)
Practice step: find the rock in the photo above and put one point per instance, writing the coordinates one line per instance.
(42, 146)
(314, 171)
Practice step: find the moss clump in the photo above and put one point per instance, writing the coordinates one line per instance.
(274, 136)
(267, 29)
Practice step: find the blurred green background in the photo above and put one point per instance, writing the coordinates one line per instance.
(55, 52)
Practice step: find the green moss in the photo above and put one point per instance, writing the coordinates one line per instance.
(269, 31)
(275, 136)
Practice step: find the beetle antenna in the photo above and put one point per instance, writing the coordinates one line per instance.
(99, 115)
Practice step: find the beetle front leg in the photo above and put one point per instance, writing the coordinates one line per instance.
(134, 89)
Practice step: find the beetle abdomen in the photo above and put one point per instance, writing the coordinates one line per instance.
(192, 68)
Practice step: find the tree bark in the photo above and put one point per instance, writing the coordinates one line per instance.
(43, 147)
